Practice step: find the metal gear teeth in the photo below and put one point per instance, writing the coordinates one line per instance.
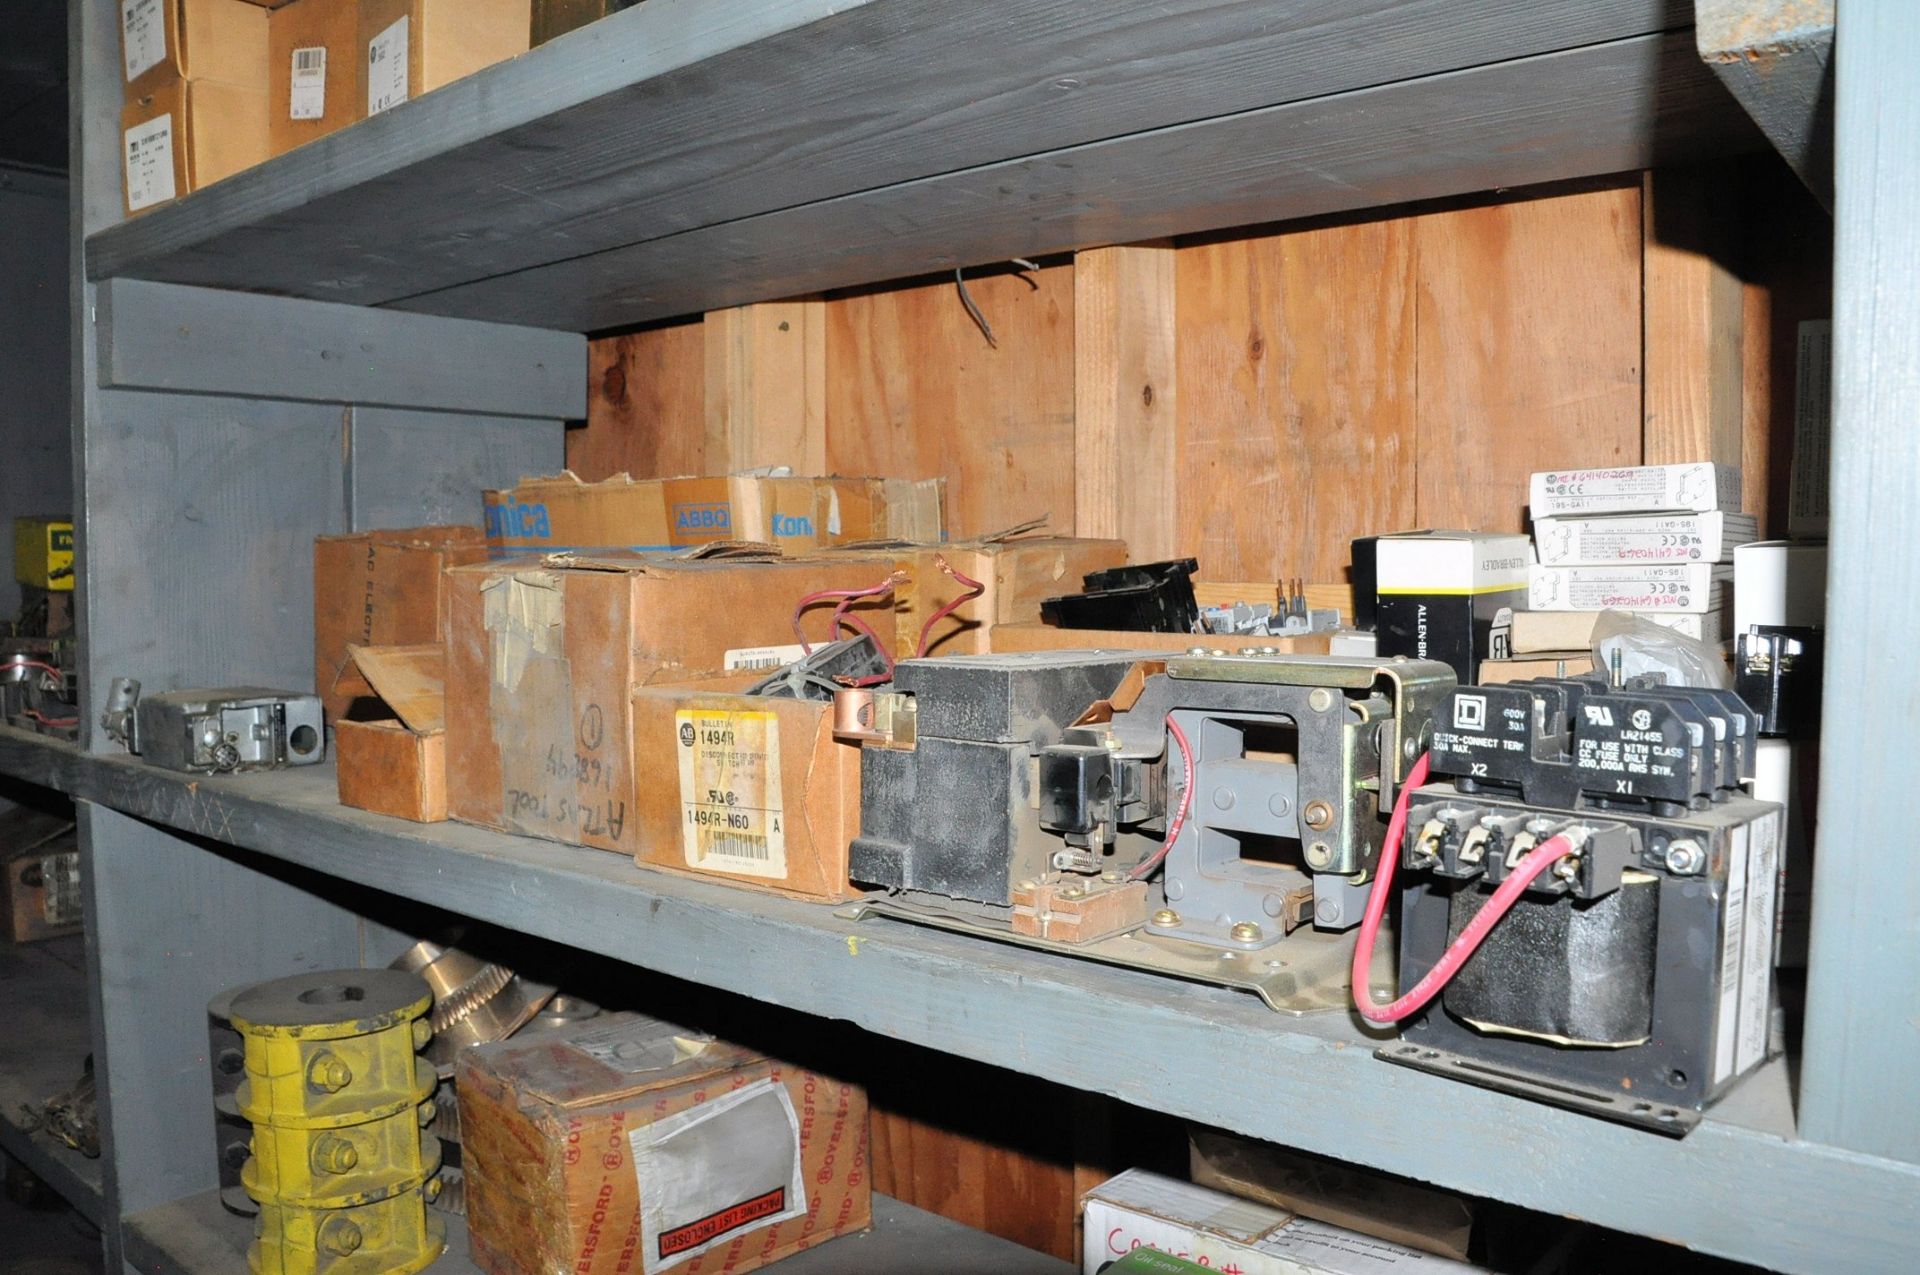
(463, 1001)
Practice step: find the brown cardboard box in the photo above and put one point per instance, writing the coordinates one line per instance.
(563, 514)
(313, 71)
(380, 588)
(409, 47)
(1016, 575)
(1045, 637)
(397, 765)
(163, 40)
(626, 1142)
(1538, 664)
(39, 875)
(188, 134)
(557, 17)
(751, 789)
(544, 654)
(1372, 1203)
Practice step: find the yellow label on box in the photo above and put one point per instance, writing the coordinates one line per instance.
(43, 552)
(731, 817)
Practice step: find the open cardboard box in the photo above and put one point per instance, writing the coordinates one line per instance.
(398, 765)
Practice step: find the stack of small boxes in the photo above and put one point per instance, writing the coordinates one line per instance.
(196, 94)
(1652, 540)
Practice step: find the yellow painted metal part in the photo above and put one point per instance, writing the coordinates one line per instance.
(338, 1099)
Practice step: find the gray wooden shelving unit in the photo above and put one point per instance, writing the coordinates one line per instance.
(321, 344)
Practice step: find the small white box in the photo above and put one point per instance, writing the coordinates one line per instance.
(1694, 588)
(1700, 487)
(1779, 582)
(1650, 538)
(1536, 631)
(1144, 1210)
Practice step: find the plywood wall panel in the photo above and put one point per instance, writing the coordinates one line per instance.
(1297, 397)
(646, 406)
(915, 391)
(1528, 349)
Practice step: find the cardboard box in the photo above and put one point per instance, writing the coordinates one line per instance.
(1538, 664)
(1346, 1195)
(553, 18)
(408, 47)
(544, 656)
(1016, 574)
(396, 764)
(1449, 595)
(562, 514)
(1046, 637)
(1691, 587)
(1649, 538)
(766, 796)
(43, 553)
(313, 71)
(1698, 487)
(186, 135)
(40, 875)
(164, 40)
(1144, 1210)
(1536, 632)
(630, 1145)
(380, 588)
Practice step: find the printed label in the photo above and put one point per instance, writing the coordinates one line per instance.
(1732, 936)
(150, 163)
(731, 814)
(753, 658)
(638, 1046)
(387, 68)
(61, 872)
(1756, 947)
(723, 1167)
(309, 99)
(143, 35)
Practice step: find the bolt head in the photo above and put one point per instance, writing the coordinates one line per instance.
(1279, 806)
(1113, 878)
(340, 1237)
(1165, 918)
(1685, 857)
(1319, 854)
(1223, 798)
(1245, 932)
(1320, 699)
(1317, 815)
(1071, 892)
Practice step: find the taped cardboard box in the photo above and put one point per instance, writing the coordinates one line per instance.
(1403, 1212)
(765, 796)
(628, 1144)
(380, 588)
(1015, 573)
(40, 860)
(397, 764)
(1139, 1210)
(544, 654)
(409, 47)
(187, 134)
(656, 515)
(313, 71)
(163, 40)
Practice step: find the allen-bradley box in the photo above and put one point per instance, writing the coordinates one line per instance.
(1449, 595)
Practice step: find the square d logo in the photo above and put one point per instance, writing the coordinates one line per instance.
(1469, 712)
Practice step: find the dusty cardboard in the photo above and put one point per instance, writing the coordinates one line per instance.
(380, 588)
(187, 134)
(397, 765)
(544, 656)
(813, 794)
(553, 18)
(1537, 664)
(443, 41)
(559, 1140)
(39, 875)
(563, 514)
(163, 40)
(307, 102)
(1372, 1203)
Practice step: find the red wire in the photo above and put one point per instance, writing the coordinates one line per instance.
(44, 668)
(974, 590)
(847, 596)
(1538, 860)
(1145, 867)
(44, 720)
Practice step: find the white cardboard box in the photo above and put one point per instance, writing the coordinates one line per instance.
(1144, 1210)
(1779, 582)
(1700, 487)
(1693, 588)
(1637, 538)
